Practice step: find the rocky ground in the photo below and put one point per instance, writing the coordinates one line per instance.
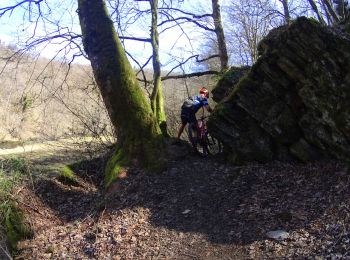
(199, 208)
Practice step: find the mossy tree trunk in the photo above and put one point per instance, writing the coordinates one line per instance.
(157, 101)
(138, 134)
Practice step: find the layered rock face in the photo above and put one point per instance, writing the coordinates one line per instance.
(294, 102)
(228, 82)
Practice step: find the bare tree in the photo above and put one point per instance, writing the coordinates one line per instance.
(156, 96)
(249, 22)
(286, 11)
(210, 23)
(157, 101)
(220, 35)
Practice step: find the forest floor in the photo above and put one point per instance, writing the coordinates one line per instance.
(199, 208)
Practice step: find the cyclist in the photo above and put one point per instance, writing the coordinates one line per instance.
(188, 113)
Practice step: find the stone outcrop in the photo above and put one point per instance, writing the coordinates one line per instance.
(295, 100)
(228, 81)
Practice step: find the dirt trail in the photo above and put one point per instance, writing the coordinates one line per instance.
(50, 146)
(28, 148)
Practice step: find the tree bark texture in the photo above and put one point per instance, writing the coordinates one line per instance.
(157, 102)
(315, 9)
(331, 11)
(136, 126)
(220, 35)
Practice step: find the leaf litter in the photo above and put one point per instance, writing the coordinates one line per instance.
(200, 208)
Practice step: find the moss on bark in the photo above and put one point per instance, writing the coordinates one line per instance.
(138, 132)
(114, 165)
(157, 102)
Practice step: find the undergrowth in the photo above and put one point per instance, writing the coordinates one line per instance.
(12, 174)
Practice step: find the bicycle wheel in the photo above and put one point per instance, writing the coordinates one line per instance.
(213, 145)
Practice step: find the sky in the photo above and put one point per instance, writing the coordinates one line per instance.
(173, 43)
(12, 28)
(18, 26)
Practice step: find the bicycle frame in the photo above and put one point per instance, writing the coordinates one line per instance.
(201, 131)
(206, 142)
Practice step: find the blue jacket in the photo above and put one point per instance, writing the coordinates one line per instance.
(198, 103)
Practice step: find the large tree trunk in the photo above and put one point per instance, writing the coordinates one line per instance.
(138, 134)
(157, 95)
(220, 35)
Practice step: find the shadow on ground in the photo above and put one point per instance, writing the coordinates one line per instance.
(227, 204)
(75, 201)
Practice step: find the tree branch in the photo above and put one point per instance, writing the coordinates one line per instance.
(135, 39)
(196, 16)
(188, 20)
(193, 56)
(190, 75)
(6, 9)
(141, 70)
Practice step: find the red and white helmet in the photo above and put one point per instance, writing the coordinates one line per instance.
(204, 91)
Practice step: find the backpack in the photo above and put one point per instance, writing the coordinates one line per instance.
(188, 103)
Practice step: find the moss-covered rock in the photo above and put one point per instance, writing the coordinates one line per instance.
(294, 99)
(227, 81)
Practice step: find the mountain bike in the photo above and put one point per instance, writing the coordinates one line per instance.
(201, 140)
